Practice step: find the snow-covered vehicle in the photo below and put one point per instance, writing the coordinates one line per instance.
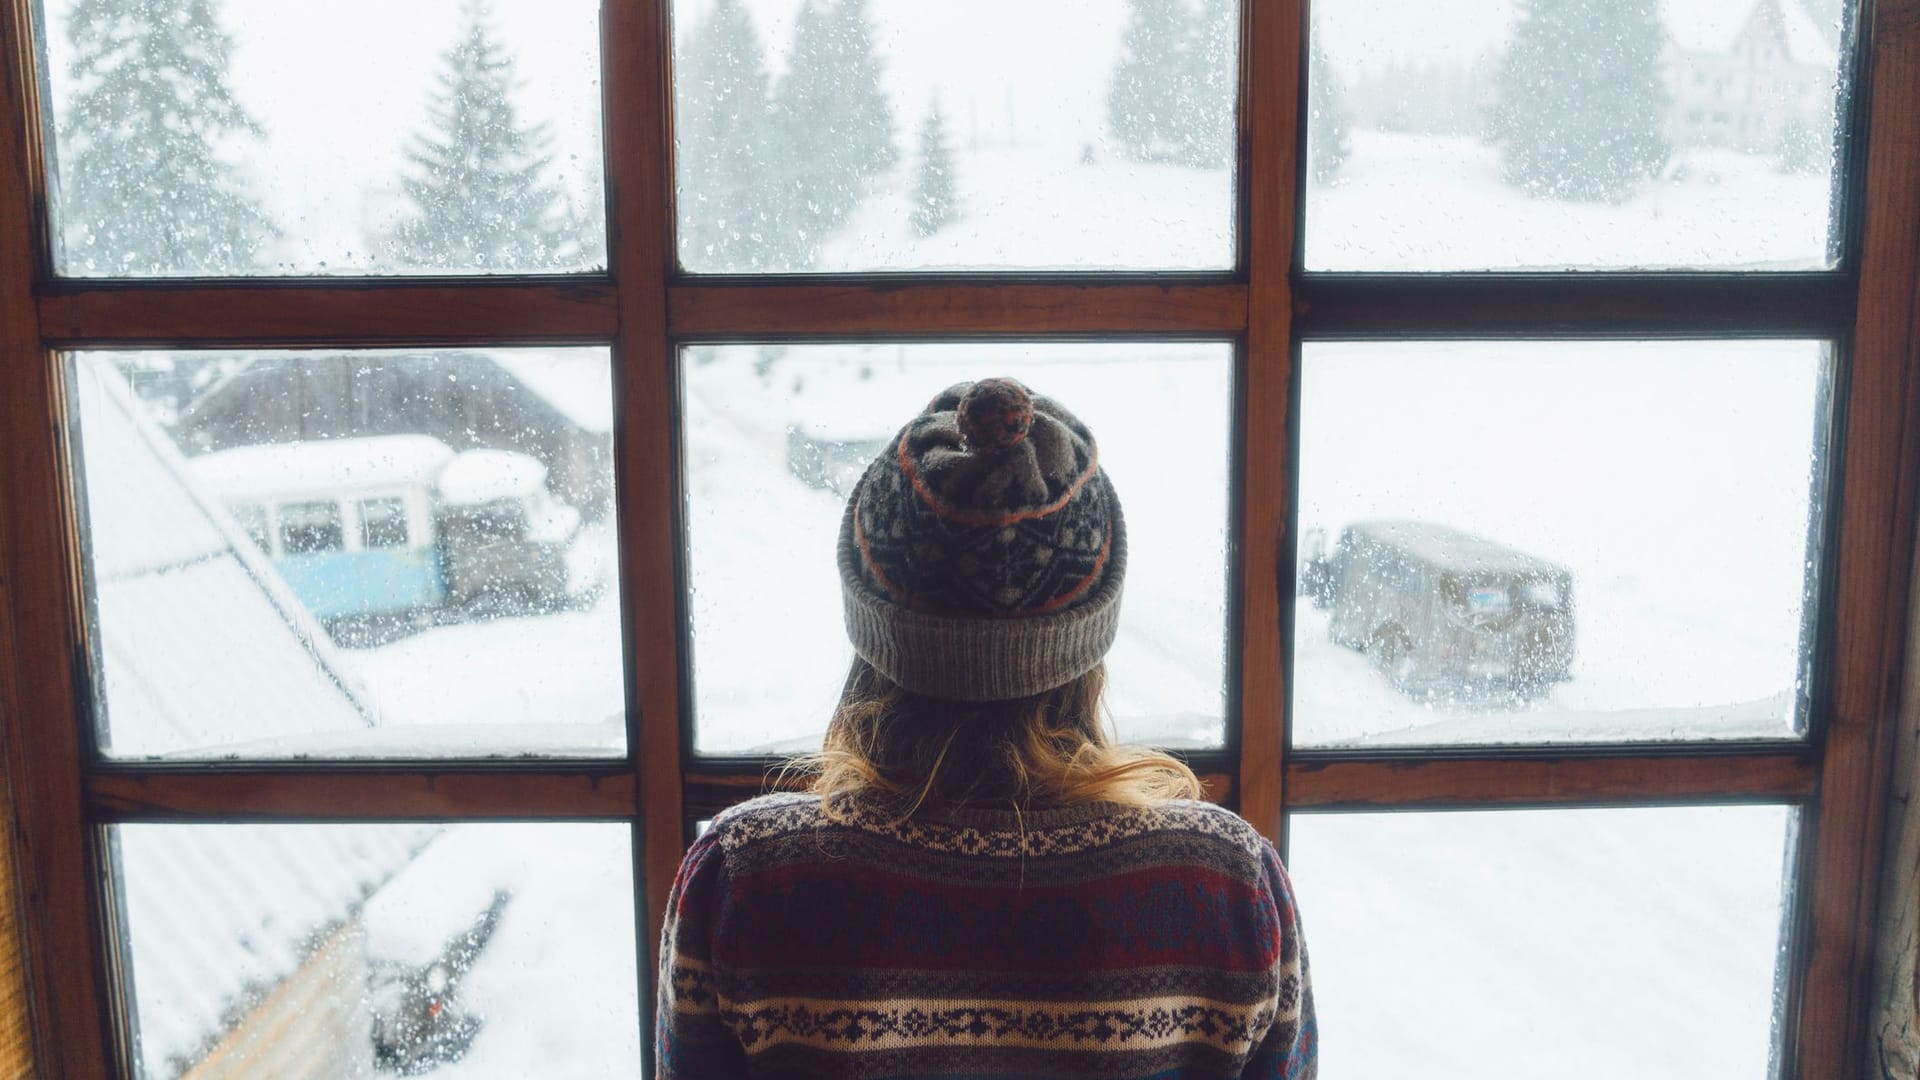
(831, 461)
(395, 529)
(1443, 611)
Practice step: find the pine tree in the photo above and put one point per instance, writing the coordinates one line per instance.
(869, 114)
(728, 182)
(1327, 144)
(935, 202)
(480, 198)
(834, 124)
(1210, 86)
(1581, 98)
(1145, 100)
(142, 189)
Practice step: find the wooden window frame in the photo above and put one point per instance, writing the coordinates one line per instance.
(63, 796)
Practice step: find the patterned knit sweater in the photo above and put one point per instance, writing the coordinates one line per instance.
(1090, 941)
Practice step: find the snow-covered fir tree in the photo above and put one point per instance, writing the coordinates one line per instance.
(729, 186)
(1327, 122)
(1581, 98)
(935, 199)
(1146, 106)
(834, 127)
(1210, 74)
(870, 151)
(1173, 91)
(480, 196)
(143, 187)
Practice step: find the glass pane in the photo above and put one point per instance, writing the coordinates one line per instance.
(395, 554)
(366, 950)
(1566, 943)
(1565, 541)
(202, 138)
(839, 135)
(777, 435)
(1575, 134)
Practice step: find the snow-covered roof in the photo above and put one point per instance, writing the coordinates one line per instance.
(478, 476)
(1712, 26)
(576, 382)
(186, 604)
(322, 466)
(201, 645)
(219, 914)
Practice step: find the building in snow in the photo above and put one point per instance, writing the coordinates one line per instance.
(1757, 77)
(553, 404)
(245, 952)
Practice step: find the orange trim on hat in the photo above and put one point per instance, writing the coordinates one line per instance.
(1068, 597)
(981, 517)
(866, 558)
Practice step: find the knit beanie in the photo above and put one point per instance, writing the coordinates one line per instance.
(981, 554)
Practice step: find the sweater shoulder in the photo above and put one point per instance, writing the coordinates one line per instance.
(765, 817)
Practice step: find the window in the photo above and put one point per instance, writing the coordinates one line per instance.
(1534, 529)
(383, 523)
(311, 528)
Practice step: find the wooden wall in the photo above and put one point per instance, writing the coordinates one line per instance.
(1894, 1050)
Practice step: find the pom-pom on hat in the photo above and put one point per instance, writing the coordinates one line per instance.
(982, 553)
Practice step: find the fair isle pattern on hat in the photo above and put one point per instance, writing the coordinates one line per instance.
(1017, 523)
(982, 552)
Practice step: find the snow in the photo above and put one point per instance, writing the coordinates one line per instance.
(1432, 202)
(557, 986)
(218, 914)
(1554, 945)
(479, 476)
(573, 381)
(180, 597)
(333, 206)
(323, 466)
(1041, 186)
(1686, 531)
(1714, 27)
(184, 601)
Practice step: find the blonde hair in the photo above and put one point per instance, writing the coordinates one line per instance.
(1051, 749)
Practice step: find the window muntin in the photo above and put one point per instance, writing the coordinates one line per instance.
(1590, 135)
(1605, 941)
(499, 949)
(1510, 542)
(184, 141)
(776, 436)
(847, 137)
(443, 579)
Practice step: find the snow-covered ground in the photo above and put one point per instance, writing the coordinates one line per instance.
(556, 988)
(1545, 945)
(1673, 479)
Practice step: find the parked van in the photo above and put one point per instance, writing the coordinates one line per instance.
(373, 531)
(1443, 611)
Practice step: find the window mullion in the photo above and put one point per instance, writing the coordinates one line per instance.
(1877, 509)
(1272, 77)
(634, 44)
